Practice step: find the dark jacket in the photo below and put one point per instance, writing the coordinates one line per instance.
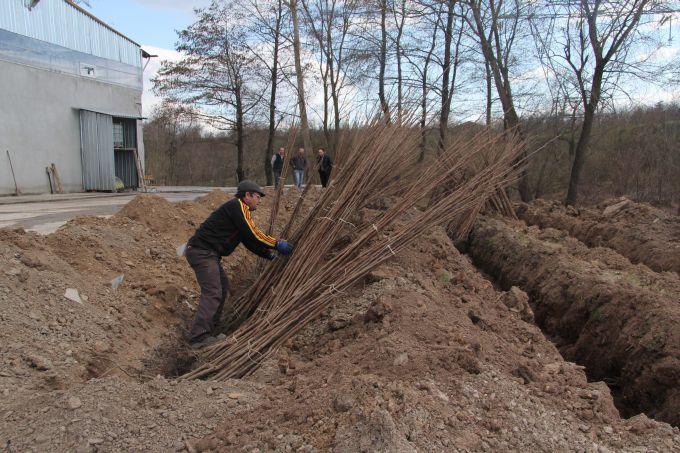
(278, 163)
(227, 227)
(325, 163)
(299, 162)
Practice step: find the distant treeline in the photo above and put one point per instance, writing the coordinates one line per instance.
(634, 153)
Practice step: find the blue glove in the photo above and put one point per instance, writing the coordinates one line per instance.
(284, 247)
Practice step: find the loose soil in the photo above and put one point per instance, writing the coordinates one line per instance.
(638, 231)
(423, 355)
(617, 319)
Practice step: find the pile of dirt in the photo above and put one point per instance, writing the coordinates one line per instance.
(424, 354)
(428, 356)
(159, 215)
(638, 231)
(211, 201)
(619, 320)
(99, 298)
(93, 299)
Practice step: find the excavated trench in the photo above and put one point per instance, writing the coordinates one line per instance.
(175, 357)
(617, 319)
(640, 232)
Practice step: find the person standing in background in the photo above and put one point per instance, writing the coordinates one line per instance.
(277, 165)
(299, 163)
(325, 166)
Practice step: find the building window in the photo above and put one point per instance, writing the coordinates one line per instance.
(118, 140)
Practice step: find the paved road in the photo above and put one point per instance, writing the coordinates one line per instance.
(45, 217)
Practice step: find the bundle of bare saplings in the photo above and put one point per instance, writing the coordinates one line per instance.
(336, 246)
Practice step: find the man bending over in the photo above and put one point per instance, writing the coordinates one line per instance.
(218, 236)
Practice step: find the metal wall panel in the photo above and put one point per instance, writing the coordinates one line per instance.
(140, 146)
(96, 145)
(32, 52)
(58, 22)
(126, 169)
(129, 133)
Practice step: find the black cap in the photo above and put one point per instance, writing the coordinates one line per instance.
(249, 186)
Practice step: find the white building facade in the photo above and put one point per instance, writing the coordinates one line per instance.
(70, 95)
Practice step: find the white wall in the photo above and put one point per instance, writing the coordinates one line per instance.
(39, 123)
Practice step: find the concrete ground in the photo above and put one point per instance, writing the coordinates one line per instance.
(45, 213)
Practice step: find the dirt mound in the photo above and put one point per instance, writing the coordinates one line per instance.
(619, 320)
(160, 216)
(427, 357)
(423, 355)
(93, 299)
(101, 296)
(638, 231)
(214, 199)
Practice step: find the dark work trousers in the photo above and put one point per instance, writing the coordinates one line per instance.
(324, 178)
(214, 288)
(277, 175)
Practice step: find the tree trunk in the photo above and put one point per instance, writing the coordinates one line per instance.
(336, 117)
(400, 95)
(423, 114)
(502, 81)
(326, 97)
(335, 74)
(488, 93)
(272, 102)
(304, 125)
(239, 135)
(423, 102)
(383, 61)
(173, 156)
(446, 75)
(584, 137)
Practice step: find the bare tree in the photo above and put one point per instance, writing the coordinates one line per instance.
(329, 22)
(382, 59)
(591, 53)
(272, 101)
(399, 14)
(302, 107)
(418, 49)
(266, 25)
(425, 88)
(495, 24)
(218, 76)
(450, 64)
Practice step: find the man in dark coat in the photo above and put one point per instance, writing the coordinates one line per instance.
(325, 166)
(227, 227)
(277, 165)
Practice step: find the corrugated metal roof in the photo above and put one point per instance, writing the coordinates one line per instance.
(63, 23)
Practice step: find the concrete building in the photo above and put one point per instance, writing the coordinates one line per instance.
(70, 95)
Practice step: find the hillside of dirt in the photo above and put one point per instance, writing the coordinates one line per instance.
(424, 354)
(638, 231)
(617, 319)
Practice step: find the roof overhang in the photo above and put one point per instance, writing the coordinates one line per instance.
(113, 114)
(98, 20)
